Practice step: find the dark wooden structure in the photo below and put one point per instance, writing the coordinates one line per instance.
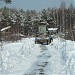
(12, 33)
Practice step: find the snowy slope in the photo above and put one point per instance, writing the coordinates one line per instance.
(18, 57)
(27, 58)
(63, 57)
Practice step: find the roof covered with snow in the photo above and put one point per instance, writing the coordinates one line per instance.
(3, 29)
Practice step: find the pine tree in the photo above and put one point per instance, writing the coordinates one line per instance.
(44, 15)
(6, 1)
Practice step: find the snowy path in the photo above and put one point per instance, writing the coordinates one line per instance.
(48, 62)
(27, 58)
(41, 65)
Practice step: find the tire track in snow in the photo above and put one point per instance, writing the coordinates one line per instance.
(41, 66)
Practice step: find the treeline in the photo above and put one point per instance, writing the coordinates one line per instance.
(63, 18)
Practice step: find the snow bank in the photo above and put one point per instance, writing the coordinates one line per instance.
(19, 57)
(16, 58)
(63, 56)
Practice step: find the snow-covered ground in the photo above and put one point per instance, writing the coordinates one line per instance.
(18, 57)
(27, 58)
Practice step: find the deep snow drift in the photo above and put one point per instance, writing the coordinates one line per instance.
(16, 58)
(22, 57)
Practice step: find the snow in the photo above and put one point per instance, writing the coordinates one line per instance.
(18, 57)
(5, 28)
(64, 56)
(35, 20)
(44, 23)
(27, 58)
(52, 29)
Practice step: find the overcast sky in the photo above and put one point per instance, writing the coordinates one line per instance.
(36, 4)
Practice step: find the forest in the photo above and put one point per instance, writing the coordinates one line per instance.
(62, 18)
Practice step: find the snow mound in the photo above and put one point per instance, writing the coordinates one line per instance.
(17, 57)
(24, 56)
